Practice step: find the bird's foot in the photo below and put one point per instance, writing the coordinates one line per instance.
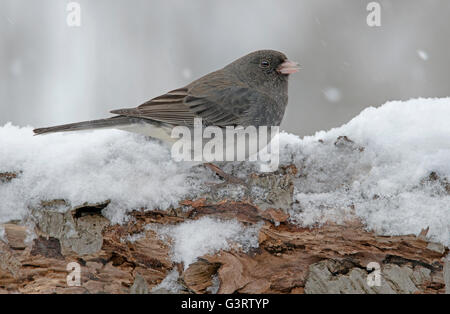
(229, 179)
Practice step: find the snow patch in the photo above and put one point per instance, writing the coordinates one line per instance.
(192, 239)
(133, 238)
(169, 284)
(3, 234)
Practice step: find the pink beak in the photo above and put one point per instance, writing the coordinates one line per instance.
(288, 67)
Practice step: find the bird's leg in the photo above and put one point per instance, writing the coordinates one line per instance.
(225, 176)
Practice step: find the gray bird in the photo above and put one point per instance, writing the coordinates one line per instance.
(251, 91)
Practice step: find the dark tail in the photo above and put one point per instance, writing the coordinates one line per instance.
(87, 125)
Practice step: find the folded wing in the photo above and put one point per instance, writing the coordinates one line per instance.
(213, 98)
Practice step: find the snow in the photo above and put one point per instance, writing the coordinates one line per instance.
(128, 169)
(133, 238)
(169, 284)
(332, 94)
(422, 55)
(187, 73)
(16, 68)
(214, 288)
(378, 171)
(380, 177)
(192, 239)
(2, 234)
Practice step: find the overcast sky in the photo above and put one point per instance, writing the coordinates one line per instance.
(126, 52)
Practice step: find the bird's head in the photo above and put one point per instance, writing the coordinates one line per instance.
(264, 66)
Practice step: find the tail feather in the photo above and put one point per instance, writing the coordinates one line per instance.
(87, 125)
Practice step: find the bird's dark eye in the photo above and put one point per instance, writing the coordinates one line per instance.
(264, 64)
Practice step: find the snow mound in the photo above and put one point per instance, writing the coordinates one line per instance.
(192, 239)
(389, 166)
(128, 169)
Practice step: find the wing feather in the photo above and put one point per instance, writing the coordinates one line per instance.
(214, 98)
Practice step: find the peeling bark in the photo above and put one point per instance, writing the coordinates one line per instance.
(330, 258)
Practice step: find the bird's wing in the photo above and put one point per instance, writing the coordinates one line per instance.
(168, 108)
(214, 98)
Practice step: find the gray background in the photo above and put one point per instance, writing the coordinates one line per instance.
(127, 52)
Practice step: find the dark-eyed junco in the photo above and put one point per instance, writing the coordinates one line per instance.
(252, 90)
